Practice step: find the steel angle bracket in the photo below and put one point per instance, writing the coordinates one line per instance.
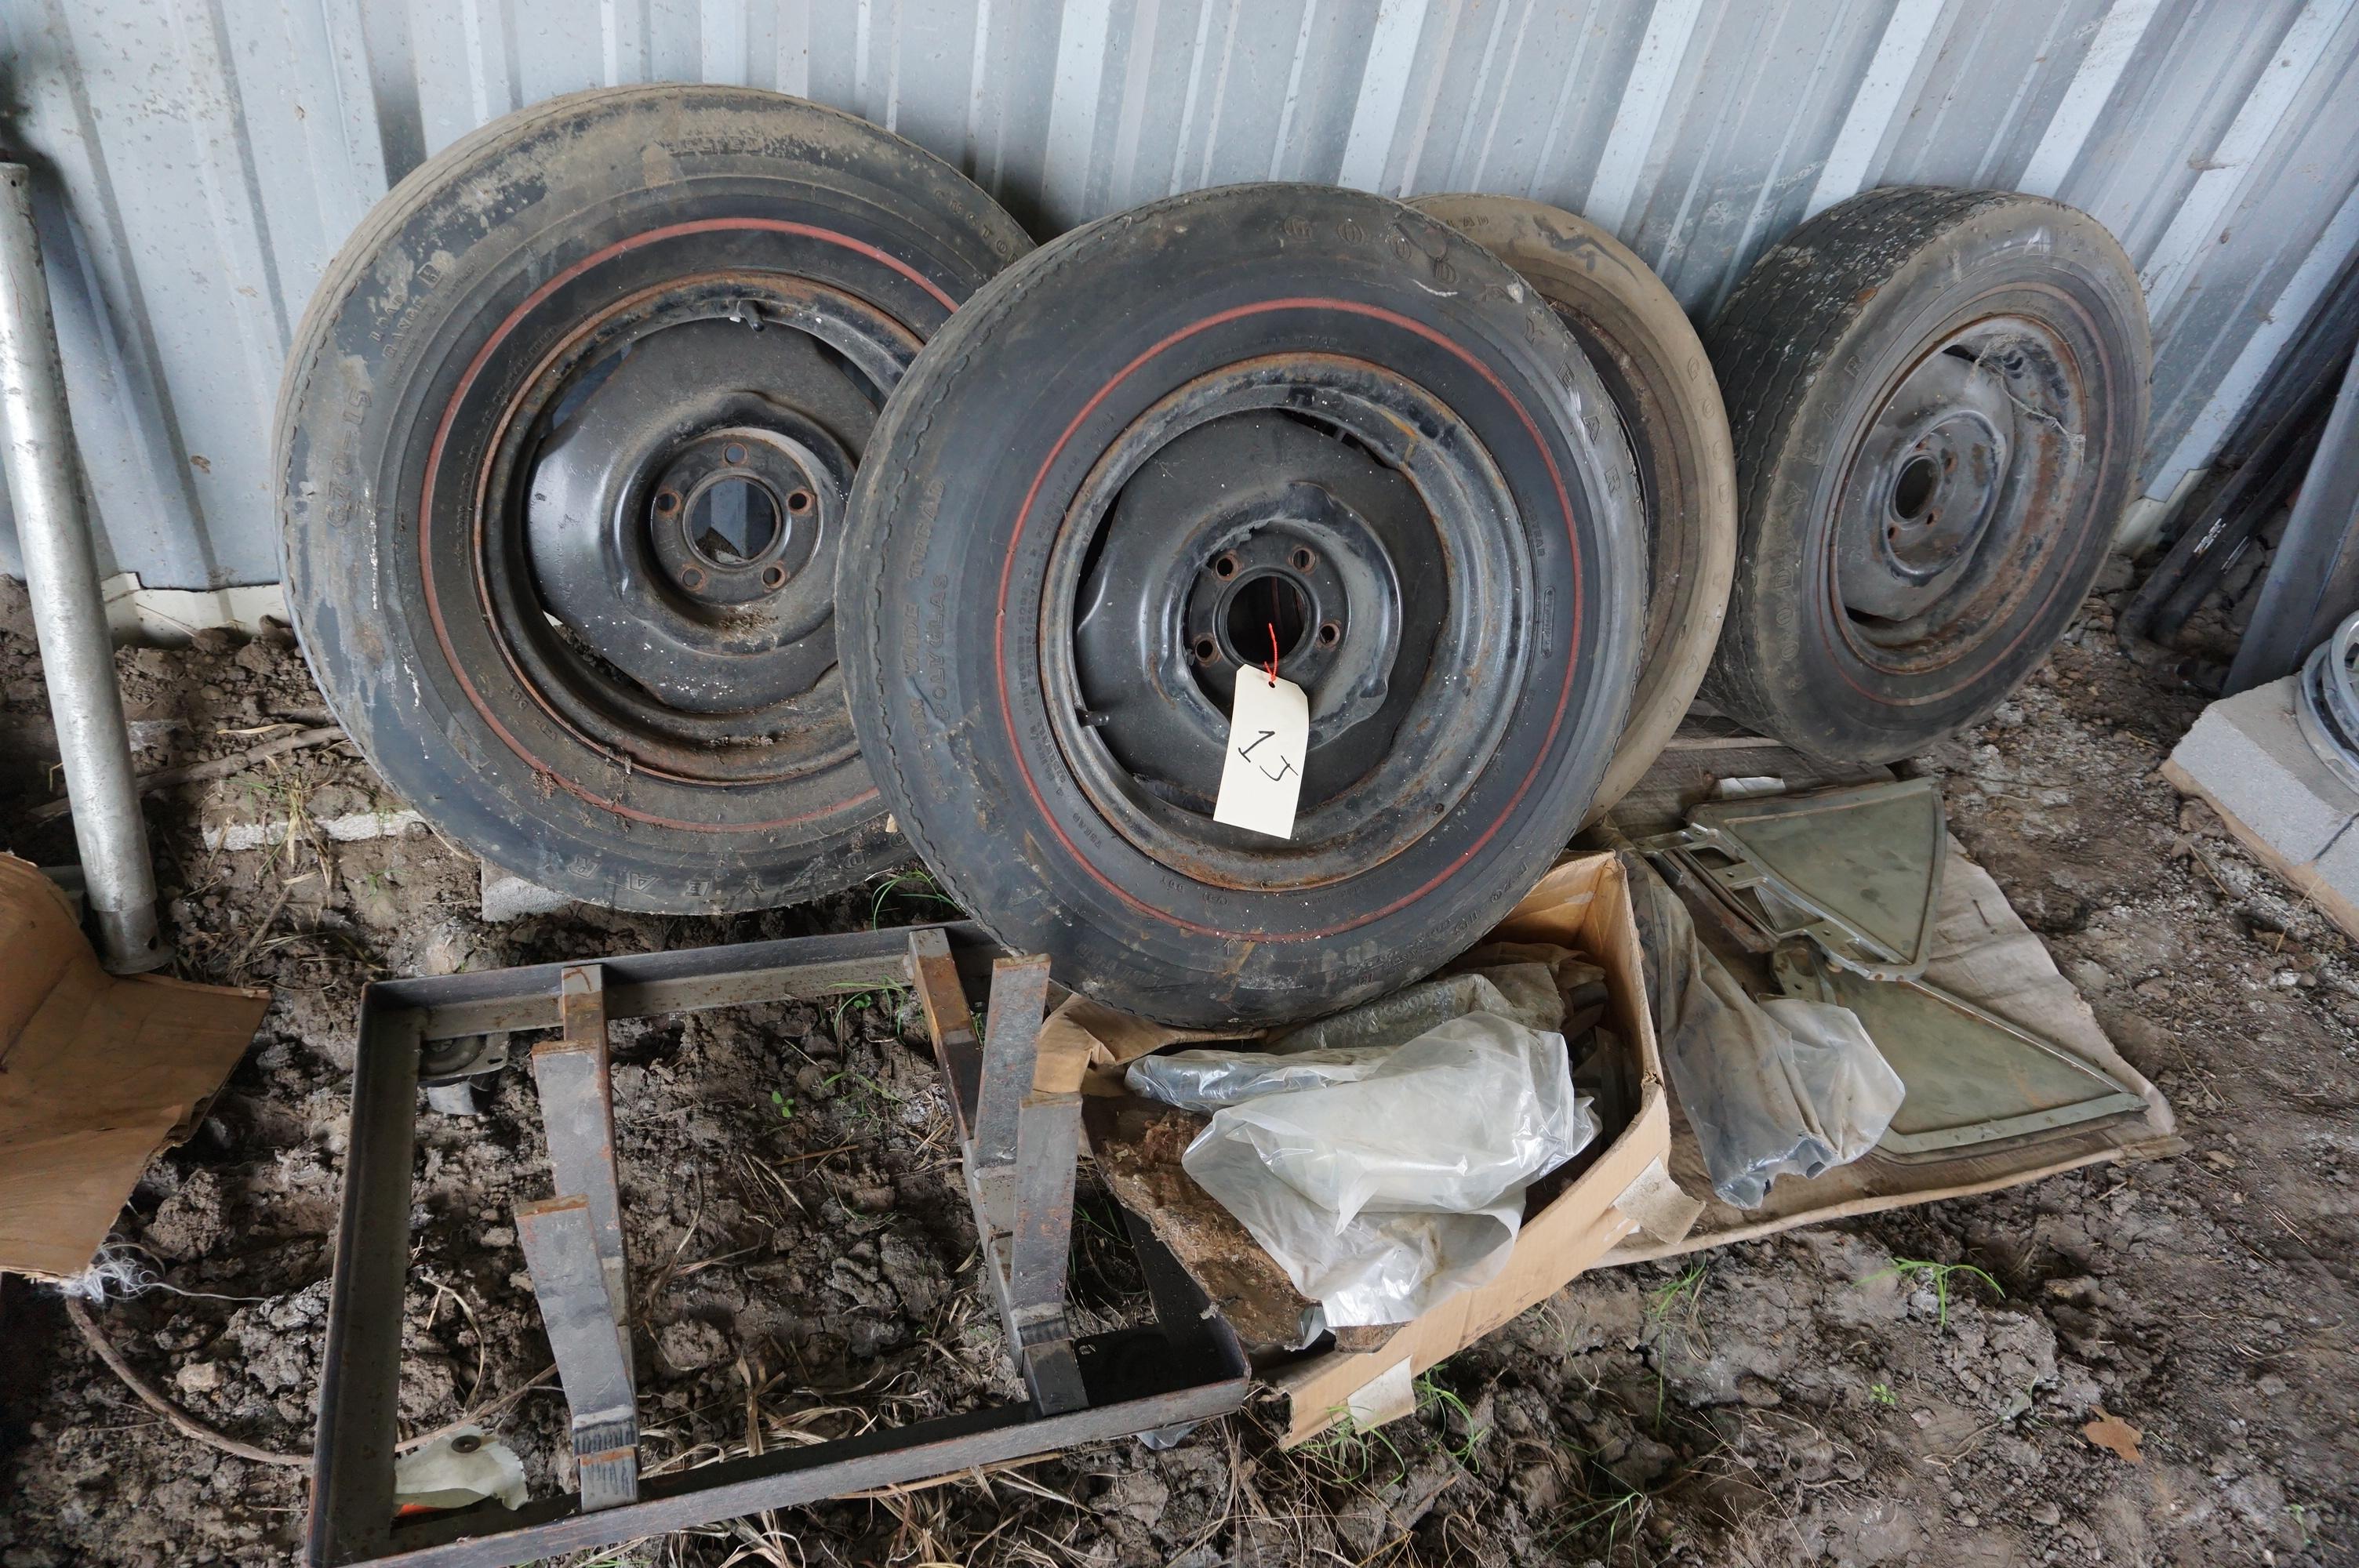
(1085, 1388)
(1855, 869)
(1971, 1077)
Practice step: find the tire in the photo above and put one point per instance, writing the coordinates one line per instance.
(563, 448)
(1662, 382)
(1939, 398)
(1148, 417)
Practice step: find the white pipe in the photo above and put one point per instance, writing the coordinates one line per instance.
(69, 610)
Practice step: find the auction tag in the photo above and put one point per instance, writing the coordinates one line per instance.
(1270, 730)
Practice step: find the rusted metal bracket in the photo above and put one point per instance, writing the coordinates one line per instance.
(574, 1244)
(1020, 1141)
(561, 1248)
(1185, 1369)
(577, 1110)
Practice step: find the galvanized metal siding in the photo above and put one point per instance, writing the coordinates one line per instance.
(203, 159)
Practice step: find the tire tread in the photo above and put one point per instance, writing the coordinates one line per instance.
(1769, 344)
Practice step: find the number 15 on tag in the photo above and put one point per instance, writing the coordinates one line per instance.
(1261, 778)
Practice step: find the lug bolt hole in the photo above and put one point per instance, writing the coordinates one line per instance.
(691, 579)
(1207, 650)
(733, 453)
(1226, 566)
(667, 502)
(774, 576)
(798, 502)
(1302, 559)
(1330, 634)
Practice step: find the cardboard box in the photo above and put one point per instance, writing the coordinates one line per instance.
(1584, 902)
(96, 1074)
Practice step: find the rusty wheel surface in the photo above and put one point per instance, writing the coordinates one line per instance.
(1939, 399)
(565, 448)
(1655, 368)
(1323, 431)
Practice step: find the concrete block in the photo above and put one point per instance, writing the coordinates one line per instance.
(2338, 868)
(507, 896)
(2248, 754)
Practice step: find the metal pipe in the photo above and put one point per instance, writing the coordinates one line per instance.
(2313, 579)
(69, 609)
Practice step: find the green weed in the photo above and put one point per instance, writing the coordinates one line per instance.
(1432, 1394)
(1919, 1267)
(890, 1003)
(1621, 1512)
(916, 886)
(865, 1081)
(1662, 1303)
(1662, 1300)
(1344, 1455)
(868, 1102)
(851, 1004)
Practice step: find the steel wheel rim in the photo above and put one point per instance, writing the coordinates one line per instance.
(601, 705)
(1955, 494)
(1426, 707)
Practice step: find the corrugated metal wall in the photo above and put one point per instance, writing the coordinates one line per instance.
(204, 159)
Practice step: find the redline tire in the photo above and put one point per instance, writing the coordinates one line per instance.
(563, 447)
(1654, 367)
(1939, 399)
(1314, 366)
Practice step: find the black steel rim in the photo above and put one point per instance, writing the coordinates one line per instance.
(1338, 508)
(1957, 494)
(656, 521)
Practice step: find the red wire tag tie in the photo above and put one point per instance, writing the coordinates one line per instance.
(1272, 666)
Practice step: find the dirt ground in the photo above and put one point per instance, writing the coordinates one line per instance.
(1917, 1388)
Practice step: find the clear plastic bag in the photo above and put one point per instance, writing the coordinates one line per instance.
(1347, 1046)
(1522, 992)
(1204, 1081)
(1771, 1088)
(1852, 1091)
(1389, 1183)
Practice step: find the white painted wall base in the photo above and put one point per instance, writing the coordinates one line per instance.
(170, 616)
(2143, 519)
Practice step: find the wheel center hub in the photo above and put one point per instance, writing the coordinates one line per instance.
(683, 511)
(1929, 480)
(734, 517)
(1941, 496)
(1272, 595)
(1249, 540)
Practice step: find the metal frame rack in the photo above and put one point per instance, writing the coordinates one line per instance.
(1018, 1143)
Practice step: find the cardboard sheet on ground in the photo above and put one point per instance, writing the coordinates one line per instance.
(96, 1074)
(1982, 951)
